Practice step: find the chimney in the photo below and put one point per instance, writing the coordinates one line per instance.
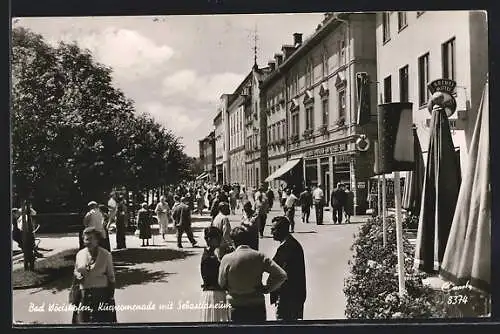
(287, 51)
(271, 65)
(297, 39)
(278, 57)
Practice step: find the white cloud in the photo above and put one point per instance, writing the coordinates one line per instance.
(174, 118)
(129, 53)
(202, 88)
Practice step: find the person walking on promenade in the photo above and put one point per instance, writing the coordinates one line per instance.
(349, 204)
(250, 222)
(319, 203)
(261, 209)
(232, 201)
(241, 273)
(212, 293)
(306, 201)
(221, 221)
(121, 223)
(106, 244)
(270, 198)
(164, 215)
(284, 197)
(94, 218)
(289, 299)
(337, 202)
(182, 219)
(144, 224)
(200, 202)
(94, 279)
(291, 201)
(214, 209)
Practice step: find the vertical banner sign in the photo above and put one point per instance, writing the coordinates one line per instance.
(363, 95)
(395, 139)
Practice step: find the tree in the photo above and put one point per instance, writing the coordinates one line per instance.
(75, 136)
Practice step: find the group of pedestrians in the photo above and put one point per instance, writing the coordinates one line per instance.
(232, 269)
(341, 202)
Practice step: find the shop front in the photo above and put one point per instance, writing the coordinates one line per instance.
(339, 163)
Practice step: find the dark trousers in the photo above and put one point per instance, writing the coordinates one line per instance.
(90, 313)
(290, 311)
(319, 213)
(271, 203)
(306, 212)
(290, 214)
(337, 214)
(189, 232)
(248, 314)
(262, 223)
(120, 233)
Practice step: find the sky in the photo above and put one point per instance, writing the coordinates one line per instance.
(176, 68)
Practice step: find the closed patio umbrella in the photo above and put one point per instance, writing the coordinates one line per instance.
(412, 195)
(439, 195)
(468, 253)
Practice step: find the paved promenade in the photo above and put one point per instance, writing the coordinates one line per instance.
(162, 275)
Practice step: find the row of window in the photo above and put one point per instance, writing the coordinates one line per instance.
(276, 131)
(386, 25)
(325, 114)
(253, 142)
(293, 89)
(253, 177)
(448, 55)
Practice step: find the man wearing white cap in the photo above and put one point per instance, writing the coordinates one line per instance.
(94, 218)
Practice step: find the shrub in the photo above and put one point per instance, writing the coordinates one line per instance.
(372, 287)
(410, 222)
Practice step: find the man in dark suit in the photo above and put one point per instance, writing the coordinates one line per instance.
(306, 201)
(290, 297)
(182, 219)
(338, 200)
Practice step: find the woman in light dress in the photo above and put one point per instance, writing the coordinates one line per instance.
(213, 297)
(95, 275)
(164, 215)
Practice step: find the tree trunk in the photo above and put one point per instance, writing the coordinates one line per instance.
(28, 238)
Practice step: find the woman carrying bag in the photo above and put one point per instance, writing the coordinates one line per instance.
(94, 282)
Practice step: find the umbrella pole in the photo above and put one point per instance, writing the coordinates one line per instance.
(384, 210)
(379, 195)
(399, 234)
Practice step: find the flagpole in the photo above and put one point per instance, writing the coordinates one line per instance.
(399, 234)
(384, 210)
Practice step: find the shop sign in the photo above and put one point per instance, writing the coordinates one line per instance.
(361, 185)
(342, 159)
(342, 147)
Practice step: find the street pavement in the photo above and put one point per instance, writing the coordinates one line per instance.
(162, 275)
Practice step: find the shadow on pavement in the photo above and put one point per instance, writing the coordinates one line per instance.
(126, 276)
(133, 256)
(124, 262)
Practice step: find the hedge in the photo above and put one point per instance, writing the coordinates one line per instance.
(372, 287)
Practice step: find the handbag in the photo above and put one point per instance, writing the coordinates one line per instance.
(75, 294)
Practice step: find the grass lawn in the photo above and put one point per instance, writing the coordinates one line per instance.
(46, 270)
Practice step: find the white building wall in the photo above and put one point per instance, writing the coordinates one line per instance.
(426, 34)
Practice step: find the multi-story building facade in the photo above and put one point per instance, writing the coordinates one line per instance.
(221, 123)
(415, 48)
(236, 116)
(313, 91)
(207, 155)
(219, 146)
(255, 129)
